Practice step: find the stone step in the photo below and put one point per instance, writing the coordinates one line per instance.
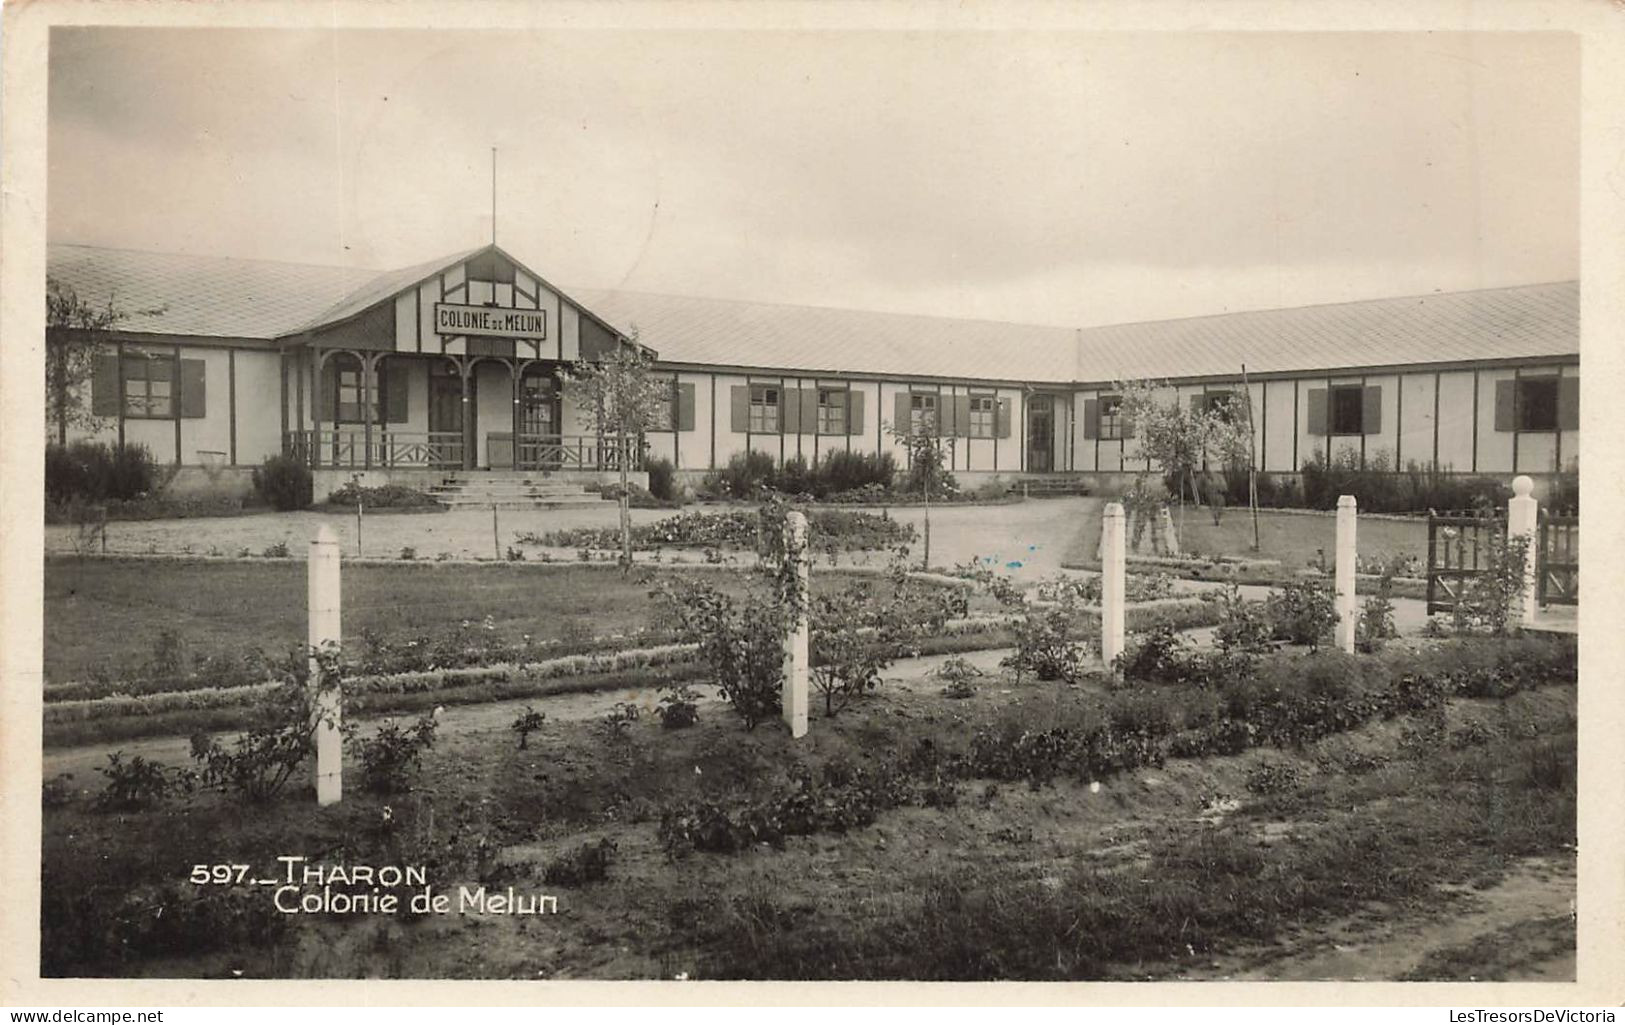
(507, 489)
(558, 502)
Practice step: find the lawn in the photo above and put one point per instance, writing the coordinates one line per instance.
(1296, 541)
(910, 837)
(102, 613)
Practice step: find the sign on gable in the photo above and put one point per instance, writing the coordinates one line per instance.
(457, 319)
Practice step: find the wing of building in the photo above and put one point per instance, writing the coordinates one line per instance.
(456, 364)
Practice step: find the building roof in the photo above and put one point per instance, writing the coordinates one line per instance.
(1490, 324)
(219, 297)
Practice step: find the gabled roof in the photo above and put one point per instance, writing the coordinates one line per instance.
(1445, 327)
(219, 297)
(721, 332)
(210, 296)
(1490, 324)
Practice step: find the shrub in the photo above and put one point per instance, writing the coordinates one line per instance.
(1491, 599)
(1302, 613)
(284, 483)
(617, 723)
(1048, 643)
(662, 479)
(526, 723)
(393, 755)
(1377, 617)
(262, 760)
(845, 471)
(98, 472)
(1245, 626)
(386, 496)
(1273, 777)
(57, 792)
(137, 784)
(957, 673)
(276, 550)
(679, 707)
(744, 476)
(588, 863)
(1157, 655)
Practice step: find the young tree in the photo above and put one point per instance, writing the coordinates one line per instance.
(927, 452)
(1181, 440)
(74, 332)
(620, 401)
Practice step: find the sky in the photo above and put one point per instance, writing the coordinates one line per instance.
(1057, 178)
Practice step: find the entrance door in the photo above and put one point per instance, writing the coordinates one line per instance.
(1040, 433)
(539, 413)
(446, 435)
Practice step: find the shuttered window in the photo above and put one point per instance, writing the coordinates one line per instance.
(1537, 404)
(764, 409)
(149, 387)
(984, 416)
(922, 413)
(351, 391)
(1347, 409)
(832, 410)
(663, 417)
(1111, 418)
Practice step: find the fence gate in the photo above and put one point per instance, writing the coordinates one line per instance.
(1458, 550)
(1557, 560)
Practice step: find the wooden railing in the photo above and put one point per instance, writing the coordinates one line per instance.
(351, 448)
(1458, 550)
(576, 452)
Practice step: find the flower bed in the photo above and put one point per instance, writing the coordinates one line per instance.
(736, 528)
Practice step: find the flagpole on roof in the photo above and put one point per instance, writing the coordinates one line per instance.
(493, 195)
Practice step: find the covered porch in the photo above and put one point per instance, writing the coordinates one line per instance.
(356, 409)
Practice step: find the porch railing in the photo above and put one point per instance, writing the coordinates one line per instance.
(351, 448)
(576, 452)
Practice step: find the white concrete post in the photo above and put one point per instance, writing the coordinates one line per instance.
(324, 635)
(1170, 537)
(1348, 611)
(1113, 582)
(793, 697)
(1523, 516)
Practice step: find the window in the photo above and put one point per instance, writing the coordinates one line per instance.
(352, 392)
(1348, 409)
(832, 410)
(1111, 417)
(984, 414)
(764, 409)
(922, 413)
(1537, 404)
(149, 387)
(663, 417)
(1224, 403)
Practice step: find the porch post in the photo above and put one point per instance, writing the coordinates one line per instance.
(365, 364)
(316, 407)
(465, 369)
(518, 371)
(1523, 519)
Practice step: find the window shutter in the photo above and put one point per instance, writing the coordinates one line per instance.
(903, 424)
(192, 388)
(1568, 404)
(1319, 410)
(1004, 418)
(685, 406)
(1196, 403)
(104, 387)
(1371, 409)
(739, 401)
(396, 391)
(330, 391)
(809, 410)
(854, 412)
(1506, 405)
(962, 416)
(1091, 419)
(790, 409)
